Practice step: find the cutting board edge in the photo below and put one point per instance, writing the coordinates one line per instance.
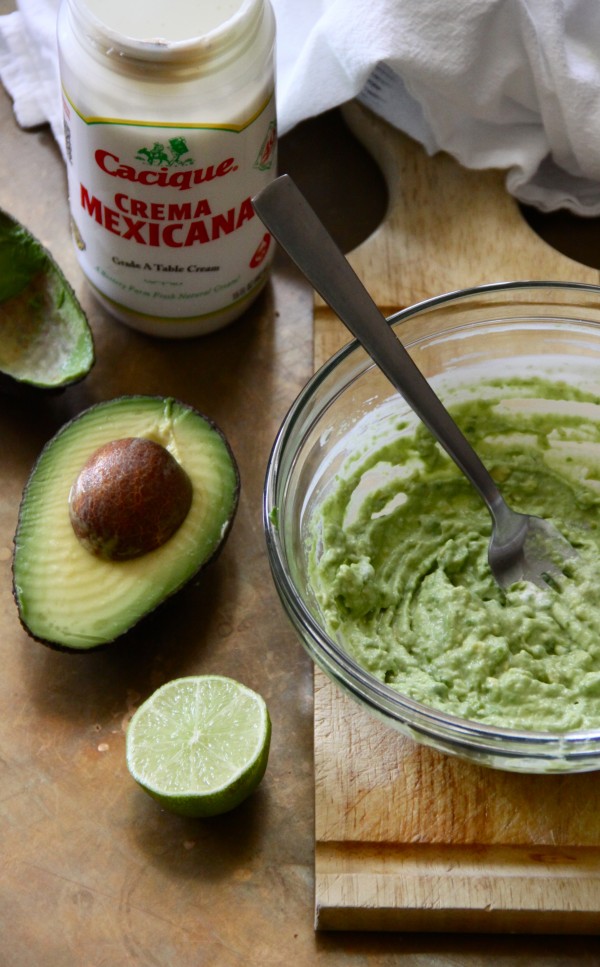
(467, 889)
(418, 919)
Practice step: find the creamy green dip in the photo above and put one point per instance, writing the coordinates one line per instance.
(398, 561)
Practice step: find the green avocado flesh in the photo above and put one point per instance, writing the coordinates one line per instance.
(71, 599)
(46, 340)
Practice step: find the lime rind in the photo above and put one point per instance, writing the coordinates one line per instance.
(200, 745)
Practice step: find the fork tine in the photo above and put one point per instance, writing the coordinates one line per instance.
(539, 556)
(546, 552)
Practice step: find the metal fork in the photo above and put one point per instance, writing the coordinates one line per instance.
(522, 547)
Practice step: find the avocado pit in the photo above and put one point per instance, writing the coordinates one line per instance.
(130, 497)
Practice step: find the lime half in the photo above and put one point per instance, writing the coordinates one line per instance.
(199, 745)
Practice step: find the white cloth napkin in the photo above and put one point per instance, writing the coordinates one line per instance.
(510, 84)
(29, 64)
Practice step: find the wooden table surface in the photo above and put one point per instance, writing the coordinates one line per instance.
(93, 873)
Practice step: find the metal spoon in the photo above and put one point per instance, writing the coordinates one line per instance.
(522, 547)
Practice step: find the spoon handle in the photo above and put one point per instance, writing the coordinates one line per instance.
(287, 214)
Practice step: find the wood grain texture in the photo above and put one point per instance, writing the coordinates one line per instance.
(408, 838)
(450, 889)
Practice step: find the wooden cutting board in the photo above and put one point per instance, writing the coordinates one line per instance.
(407, 838)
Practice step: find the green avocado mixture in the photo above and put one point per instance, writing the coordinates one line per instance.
(398, 562)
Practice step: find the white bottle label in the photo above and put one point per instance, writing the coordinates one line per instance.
(162, 214)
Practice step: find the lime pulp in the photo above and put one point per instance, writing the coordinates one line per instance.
(199, 745)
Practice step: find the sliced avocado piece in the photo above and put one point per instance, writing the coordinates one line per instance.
(71, 598)
(46, 339)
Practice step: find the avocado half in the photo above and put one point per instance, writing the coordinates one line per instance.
(69, 598)
(46, 339)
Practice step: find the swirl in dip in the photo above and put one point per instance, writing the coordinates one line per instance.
(398, 561)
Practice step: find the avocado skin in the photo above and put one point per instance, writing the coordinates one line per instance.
(24, 264)
(210, 559)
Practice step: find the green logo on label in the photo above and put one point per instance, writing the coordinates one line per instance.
(171, 155)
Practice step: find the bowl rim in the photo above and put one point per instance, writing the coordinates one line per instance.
(419, 720)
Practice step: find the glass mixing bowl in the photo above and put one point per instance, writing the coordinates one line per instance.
(521, 328)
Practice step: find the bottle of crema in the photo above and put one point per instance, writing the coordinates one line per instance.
(169, 112)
